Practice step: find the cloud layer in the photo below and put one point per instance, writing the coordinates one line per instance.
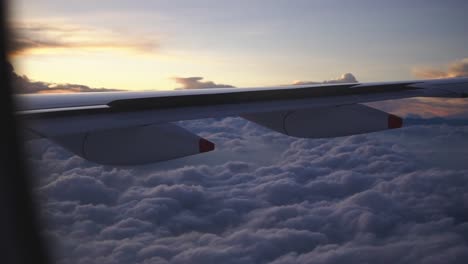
(23, 85)
(345, 78)
(425, 107)
(457, 68)
(197, 83)
(43, 38)
(265, 198)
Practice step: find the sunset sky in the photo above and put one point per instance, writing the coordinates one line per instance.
(141, 45)
(396, 196)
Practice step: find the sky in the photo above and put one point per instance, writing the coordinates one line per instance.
(146, 45)
(397, 196)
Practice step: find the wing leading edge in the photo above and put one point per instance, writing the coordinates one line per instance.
(302, 111)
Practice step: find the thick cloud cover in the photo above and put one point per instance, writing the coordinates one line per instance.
(23, 85)
(197, 83)
(458, 68)
(388, 197)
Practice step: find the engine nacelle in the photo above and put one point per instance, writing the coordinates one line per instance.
(327, 122)
(135, 145)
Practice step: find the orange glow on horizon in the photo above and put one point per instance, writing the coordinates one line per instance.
(424, 107)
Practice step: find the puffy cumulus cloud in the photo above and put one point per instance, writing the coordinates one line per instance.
(53, 37)
(345, 78)
(73, 186)
(394, 197)
(457, 68)
(23, 85)
(197, 83)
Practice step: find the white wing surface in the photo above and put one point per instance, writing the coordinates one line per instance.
(129, 128)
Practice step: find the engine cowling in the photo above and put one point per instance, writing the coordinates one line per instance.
(327, 122)
(135, 145)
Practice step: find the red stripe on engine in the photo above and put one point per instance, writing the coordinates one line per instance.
(205, 145)
(394, 121)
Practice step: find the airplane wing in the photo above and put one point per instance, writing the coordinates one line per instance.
(130, 128)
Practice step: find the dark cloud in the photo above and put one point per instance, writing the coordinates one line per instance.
(345, 78)
(19, 45)
(26, 37)
(197, 83)
(31, 37)
(388, 197)
(457, 68)
(23, 85)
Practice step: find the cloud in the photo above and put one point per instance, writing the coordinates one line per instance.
(380, 197)
(345, 78)
(457, 68)
(46, 38)
(23, 85)
(197, 83)
(425, 107)
(72, 187)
